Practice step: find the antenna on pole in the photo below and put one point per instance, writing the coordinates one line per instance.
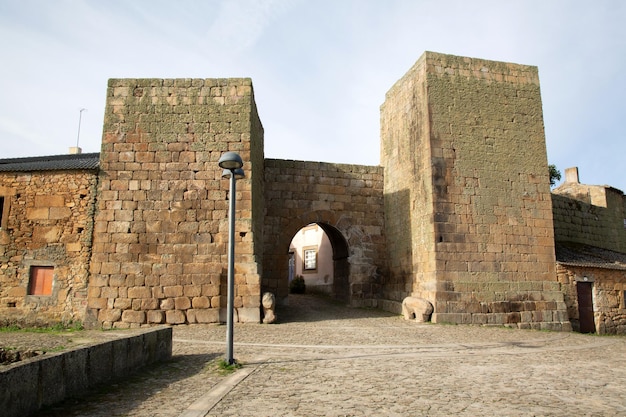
(80, 116)
(77, 148)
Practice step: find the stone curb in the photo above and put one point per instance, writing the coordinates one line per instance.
(205, 404)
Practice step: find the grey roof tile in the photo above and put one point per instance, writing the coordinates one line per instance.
(84, 161)
(575, 254)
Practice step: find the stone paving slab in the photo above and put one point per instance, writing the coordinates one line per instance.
(327, 360)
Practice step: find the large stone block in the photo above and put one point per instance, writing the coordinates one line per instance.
(155, 317)
(110, 315)
(173, 291)
(175, 317)
(200, 302)
(131, 316)
(204, 315)
(49, 201)
(139, 292)
(182, 303)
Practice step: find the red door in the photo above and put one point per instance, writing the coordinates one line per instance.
(585, 307)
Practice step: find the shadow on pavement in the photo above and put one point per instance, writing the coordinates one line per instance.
(302, 308)
(122, 396)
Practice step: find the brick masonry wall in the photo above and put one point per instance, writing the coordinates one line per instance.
(347, 201)
(161, 229)
(597, 223)
(49, 223)
(609, 293)
(489, 206)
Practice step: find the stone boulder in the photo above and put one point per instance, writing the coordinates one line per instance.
(269, 306)
(418, 308)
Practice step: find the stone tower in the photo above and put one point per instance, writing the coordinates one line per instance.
(161, 228)
(467, 194)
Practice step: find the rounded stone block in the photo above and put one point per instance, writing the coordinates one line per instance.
(201, 302)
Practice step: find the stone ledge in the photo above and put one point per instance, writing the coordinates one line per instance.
(45, 380)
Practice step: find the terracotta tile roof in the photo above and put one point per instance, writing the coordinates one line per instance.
(575, 254)
(83, 161)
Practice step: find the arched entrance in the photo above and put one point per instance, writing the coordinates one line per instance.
(318, 253)
(347, 202)
(277, 254)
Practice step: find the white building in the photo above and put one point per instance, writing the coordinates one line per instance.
(311, 256)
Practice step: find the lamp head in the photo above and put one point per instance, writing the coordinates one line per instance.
(239, 174)
(230, 160)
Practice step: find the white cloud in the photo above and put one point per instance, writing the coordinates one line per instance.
(240, 23)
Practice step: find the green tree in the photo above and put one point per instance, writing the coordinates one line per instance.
(555, 174)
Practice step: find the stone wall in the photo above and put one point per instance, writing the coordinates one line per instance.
(347, 202)
(161, 228)
(43, 381)
(48, 222)
(591, 215)
(405, 154)
(469, 134)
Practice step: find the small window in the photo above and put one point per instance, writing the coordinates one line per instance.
(310, 259)
(41, 280)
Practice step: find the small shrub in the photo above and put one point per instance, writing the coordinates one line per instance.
(224, 368)
(297, 285)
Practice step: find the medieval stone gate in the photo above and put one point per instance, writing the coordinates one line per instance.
(459, 212)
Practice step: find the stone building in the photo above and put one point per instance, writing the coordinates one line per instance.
(590, 234)
(310, 257)
(47, 207)
(459, 212)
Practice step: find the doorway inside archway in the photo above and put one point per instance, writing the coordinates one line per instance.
(318, 254)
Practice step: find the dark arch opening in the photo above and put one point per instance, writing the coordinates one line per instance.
(341, 266)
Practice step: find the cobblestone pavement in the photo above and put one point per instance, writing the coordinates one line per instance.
(327, 360)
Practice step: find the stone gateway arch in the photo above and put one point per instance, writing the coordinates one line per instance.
(347, 202)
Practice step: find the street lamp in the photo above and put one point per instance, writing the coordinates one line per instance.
(231, 162)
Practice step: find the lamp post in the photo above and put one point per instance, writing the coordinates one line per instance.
(231, 162)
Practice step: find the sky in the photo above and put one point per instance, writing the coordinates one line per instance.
(320, 68)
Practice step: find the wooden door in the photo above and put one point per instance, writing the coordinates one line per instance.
(585, 307)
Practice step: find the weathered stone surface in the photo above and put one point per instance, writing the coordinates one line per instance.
(200, 302)
(416, 308)
(175, 317)
(131, 316)
(182, 303)
(204, 315)
(167, 304)
(155, 317)
(482, 222)
(110, 315)
(269, 305)
(159, 174)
